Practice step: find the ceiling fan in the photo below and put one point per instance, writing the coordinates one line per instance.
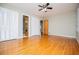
(45, 7)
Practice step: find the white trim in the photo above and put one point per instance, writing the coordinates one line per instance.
(13, 39)
(77, 40)
(64, 36)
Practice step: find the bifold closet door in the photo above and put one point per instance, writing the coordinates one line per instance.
(2, 25)
(77, 32)
(8, 24)
(13, 25)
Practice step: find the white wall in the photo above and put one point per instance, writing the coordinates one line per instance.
(63, 24)
(35, 25)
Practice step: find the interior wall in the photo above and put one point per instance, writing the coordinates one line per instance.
(63, 24)
(35, 25)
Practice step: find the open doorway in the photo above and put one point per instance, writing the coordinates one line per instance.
(41, 24)
(44, 27)
(25, 26)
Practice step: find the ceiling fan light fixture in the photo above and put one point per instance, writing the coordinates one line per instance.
(45, 7)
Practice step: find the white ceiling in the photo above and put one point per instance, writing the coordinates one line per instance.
(32, 8)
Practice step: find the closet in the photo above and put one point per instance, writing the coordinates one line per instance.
(8, 24)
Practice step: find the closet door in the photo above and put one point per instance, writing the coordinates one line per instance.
(13, 27)
(78, 24)
(8, 24)
(2, 24)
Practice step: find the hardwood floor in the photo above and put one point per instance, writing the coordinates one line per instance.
(48, 45)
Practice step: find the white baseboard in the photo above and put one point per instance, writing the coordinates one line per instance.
(35, 35)
(58, 35)
(11, 39)
(64, 36)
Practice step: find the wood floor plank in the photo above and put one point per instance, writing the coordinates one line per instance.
(40, 45)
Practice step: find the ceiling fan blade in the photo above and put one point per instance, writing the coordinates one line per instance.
(40, 6)
(40, 9)
(49, 8)
(47, 4)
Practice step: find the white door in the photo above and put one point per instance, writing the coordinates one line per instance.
(8, 24)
